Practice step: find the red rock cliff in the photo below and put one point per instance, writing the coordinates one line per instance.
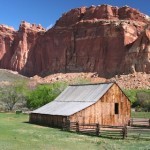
(138, 57)
(96, 39)
(15, 45)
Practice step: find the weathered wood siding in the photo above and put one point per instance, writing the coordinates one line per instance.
(47, 120)
(103, 111)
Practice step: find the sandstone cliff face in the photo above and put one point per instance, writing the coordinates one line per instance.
(23, 43)
(15, 45)
(97, 39)
(7, 35)
(138, 57)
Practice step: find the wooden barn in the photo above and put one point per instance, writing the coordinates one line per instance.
(103, 103)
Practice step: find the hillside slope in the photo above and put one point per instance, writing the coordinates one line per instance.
(8, 76)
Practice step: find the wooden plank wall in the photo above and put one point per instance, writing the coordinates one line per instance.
(47, 120)
(103, 112)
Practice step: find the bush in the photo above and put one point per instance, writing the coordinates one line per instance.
(44, 94)
(131, 94)
(140, 99)
(143, 100)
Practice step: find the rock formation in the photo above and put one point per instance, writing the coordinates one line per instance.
(25, 40)
(7, 35)
(138, 57)
(15, 45)
(103, 39)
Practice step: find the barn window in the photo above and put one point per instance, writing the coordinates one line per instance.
(116, 108)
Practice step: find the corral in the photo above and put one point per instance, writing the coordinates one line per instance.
(138, 126)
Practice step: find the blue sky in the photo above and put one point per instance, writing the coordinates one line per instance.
(46, 12)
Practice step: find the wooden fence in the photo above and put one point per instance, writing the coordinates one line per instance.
(139, 122)
(113, 131)
(138, 132)
(96, 129)
(109, 131)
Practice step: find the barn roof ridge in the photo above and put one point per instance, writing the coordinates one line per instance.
(92, 83)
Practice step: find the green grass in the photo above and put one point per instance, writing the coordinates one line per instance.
(140, 114)
(15, 134)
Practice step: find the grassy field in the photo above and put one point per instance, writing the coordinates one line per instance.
(16, 134)
(141, 114)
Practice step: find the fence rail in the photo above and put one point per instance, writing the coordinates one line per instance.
(96, 129)
(139, 122)
(142, 132)
(110, 131)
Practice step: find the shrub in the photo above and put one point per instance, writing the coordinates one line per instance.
(140, 99)
(143, 100)
(44, 93)
(131, 94)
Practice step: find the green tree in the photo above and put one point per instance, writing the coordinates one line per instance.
(12, 94)
(143, 100)
(131, 94)
(44, 94)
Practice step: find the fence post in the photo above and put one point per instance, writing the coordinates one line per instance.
(124, 132)
(131, 123)
(68, 125)
(97, 129)
(77, 126)
(63, 125)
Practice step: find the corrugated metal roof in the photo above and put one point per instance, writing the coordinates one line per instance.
(74, 98)
(62, 108)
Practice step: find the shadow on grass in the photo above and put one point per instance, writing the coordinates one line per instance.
(138, 137)
(94, 135)
(26, 122)
(141, 126)
(42, 125)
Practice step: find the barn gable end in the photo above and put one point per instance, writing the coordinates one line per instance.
(103, 111)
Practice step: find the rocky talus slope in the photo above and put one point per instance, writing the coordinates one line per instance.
(131, 81)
